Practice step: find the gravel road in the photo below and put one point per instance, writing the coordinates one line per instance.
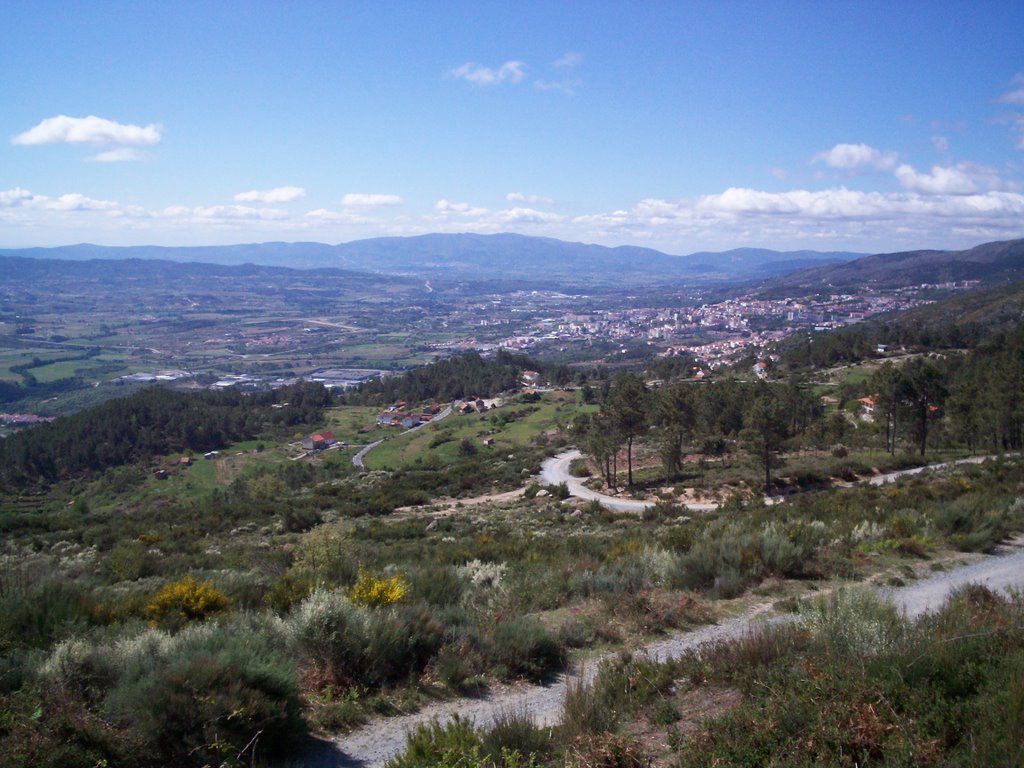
(357, 460)
(382, 738)
(555, 470)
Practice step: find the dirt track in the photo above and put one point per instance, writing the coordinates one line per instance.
(375, 743)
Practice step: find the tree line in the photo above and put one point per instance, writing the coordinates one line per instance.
(152, 422)
(703, 417)
(974, 400)
(457, 377)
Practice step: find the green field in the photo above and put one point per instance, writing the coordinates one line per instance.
(513, 425)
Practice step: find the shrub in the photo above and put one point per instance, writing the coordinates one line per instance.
(38, 617)
(575, 634)
(183, 601)
(523, 647)
(343, 644)
(400, 643)
(853, 623)
(438, 585)
(330, 632)
(215, 695)
(579, 468)
(455, 668)
(375, 591)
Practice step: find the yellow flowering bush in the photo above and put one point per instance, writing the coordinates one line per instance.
(183, 601)
(374, 591)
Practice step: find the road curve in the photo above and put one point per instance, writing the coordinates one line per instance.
(383, 738)
(357, 460)
(555, 471)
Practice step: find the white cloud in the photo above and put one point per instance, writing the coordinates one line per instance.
(526, 216)
(120, 155)
(364, 200)
(941, 144)
(275, 195)
(88, 130)
(325, 216)
(445, 206)
(71, 202)
(14, 197)
(511, 71)
(238, 212)
(831, 218)
(1016, 94)
(519, 197)
(851, 157)
(961, 179)
(569, 60)
(941, 181)
(78, 202)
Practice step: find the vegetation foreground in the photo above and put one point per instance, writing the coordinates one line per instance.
(212, 612)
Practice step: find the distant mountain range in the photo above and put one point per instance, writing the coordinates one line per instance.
(518, 258)
(477, 257)
(991, 264)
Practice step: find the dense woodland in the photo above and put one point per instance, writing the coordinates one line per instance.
(154, 422)
(458, 377)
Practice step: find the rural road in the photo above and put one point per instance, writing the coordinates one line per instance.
(383, 738)
(555, 471)
(357, 460)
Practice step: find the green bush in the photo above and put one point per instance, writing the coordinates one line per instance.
(342, 644)
(523, 647)
(41, 616)
(219, 693)
(204, 694)
(437, 585)
(458, 668)
(330, 633)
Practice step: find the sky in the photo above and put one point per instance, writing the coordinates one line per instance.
(681, 126)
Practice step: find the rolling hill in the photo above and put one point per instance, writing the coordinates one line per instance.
(990, 263)
(476, 257)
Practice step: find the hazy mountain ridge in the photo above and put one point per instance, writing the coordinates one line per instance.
(991, 263)
(471, 256)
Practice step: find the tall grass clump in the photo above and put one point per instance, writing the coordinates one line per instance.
(457, 744)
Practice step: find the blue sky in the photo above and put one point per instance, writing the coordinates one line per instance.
(681, 126)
